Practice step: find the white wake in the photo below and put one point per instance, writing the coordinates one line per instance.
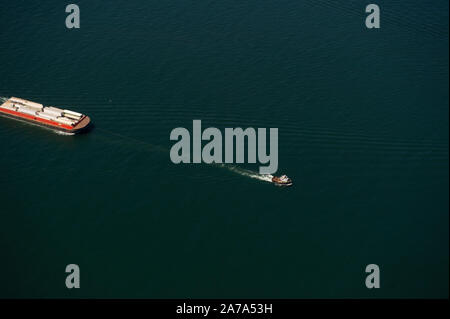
(247, 173)
(62, 133)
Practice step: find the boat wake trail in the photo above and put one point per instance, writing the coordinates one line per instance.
(235, 169)
(62, 133)
(247, 173)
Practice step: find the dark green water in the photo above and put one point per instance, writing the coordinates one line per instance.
(363, 131)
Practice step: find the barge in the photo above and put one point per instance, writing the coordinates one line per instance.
(48, 116)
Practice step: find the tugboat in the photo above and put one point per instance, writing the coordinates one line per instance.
(283, 180)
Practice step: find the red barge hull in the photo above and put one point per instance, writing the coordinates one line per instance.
(81, 124)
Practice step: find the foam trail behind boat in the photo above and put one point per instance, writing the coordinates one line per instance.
(63, 133)
(234, 169)
(248, 173)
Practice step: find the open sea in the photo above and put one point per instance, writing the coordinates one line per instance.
(363, 120)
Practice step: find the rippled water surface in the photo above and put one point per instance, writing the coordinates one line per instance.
(363, 132)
